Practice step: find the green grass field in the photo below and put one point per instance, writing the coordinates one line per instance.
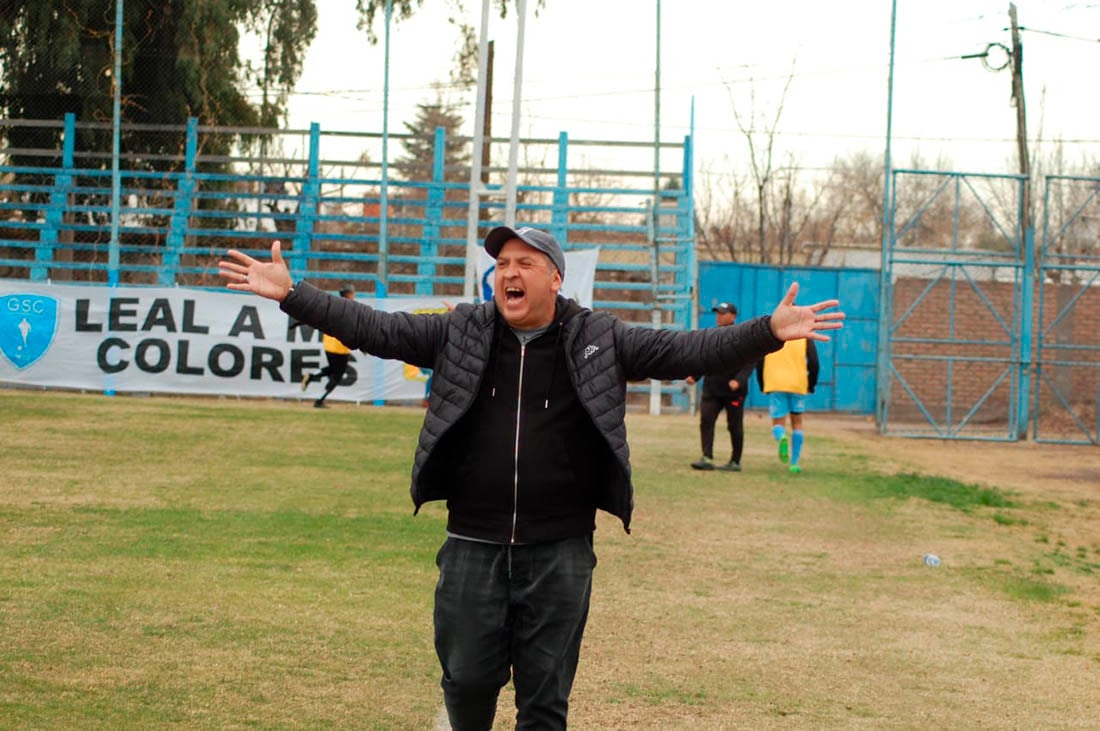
(224, 564)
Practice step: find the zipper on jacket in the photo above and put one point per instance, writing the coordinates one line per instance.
(515, 453)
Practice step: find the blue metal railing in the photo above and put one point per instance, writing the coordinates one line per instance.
(320, 193)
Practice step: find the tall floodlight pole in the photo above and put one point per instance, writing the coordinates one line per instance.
(116, 182)
(655, 269)
(263, 99)
(517, 98)
(383, 225)
(476, 188)
(657, 110)
(882, 364)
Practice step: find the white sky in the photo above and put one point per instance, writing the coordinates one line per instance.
(589, 70)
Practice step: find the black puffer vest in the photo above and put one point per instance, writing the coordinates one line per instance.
(601, 355)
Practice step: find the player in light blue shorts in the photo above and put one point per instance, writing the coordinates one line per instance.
(787, 376)
(781, 403)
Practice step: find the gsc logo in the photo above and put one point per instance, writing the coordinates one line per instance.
(22, 304)
(28, 323)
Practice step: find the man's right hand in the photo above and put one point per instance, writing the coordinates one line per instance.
(267, 279)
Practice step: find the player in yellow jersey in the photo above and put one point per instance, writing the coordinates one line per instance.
(787, 376)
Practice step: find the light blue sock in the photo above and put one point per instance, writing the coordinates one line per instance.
(796, 445)
(778, 431)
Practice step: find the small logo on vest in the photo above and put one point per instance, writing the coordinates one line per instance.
(590, 350)
(28, 323)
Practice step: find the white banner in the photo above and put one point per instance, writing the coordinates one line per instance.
(173, 340)
(580, 278)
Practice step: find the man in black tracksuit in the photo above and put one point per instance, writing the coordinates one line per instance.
(723, 390)
(525, 438)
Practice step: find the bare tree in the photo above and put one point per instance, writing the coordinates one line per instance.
(857, 194)
(803, 222)
(723, 216)
(760, 136)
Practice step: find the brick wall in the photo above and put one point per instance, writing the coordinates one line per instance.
(952, 344)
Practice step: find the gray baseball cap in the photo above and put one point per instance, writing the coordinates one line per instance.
(534, 238)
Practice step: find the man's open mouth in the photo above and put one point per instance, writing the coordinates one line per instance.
(513, 294)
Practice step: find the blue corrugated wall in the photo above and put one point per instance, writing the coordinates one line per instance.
(846, 381)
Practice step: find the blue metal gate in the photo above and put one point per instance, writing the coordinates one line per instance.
(1067, 364)
(953, 356)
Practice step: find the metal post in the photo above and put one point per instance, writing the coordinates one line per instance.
(383, 224)
(263, 103)
(116, 182)
(517, 97)
(1026, 326)
(657, 114)
(692, 302)
(655, 316)
(885, 311)
(476, 188)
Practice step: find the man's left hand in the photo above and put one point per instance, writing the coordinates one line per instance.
(791, 321)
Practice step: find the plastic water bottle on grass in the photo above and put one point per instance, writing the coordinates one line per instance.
(931, 559)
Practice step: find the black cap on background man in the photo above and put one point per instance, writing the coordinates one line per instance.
(724, 308)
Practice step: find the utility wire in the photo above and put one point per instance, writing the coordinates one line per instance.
(1059, 35)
